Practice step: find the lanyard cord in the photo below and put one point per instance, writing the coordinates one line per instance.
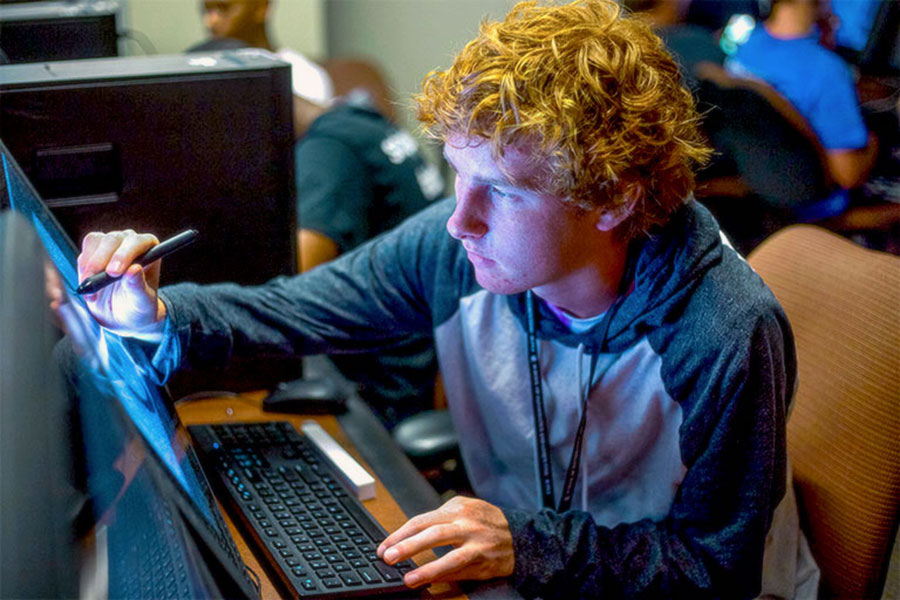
(542, 438)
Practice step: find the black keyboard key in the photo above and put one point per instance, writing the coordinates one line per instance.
(308, 475)
(350, 579)
(331, 582)
(299, 571)
(369, 575)
(387, 572)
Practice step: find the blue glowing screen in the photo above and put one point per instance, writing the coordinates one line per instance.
(125, 374)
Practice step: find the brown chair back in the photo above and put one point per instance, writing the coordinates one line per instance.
(843, 302)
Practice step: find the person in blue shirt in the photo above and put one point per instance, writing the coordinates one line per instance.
(785, 53)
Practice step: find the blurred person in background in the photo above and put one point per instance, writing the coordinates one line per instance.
(246, 21)
(786, 52)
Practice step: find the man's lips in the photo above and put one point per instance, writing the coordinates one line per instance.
(477, 258)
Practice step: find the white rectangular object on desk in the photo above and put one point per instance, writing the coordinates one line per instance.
(354, 476)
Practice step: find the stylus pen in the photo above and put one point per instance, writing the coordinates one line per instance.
(100, 280)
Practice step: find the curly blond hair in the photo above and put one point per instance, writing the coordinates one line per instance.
(590, 94)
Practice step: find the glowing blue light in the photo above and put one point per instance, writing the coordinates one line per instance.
(736, 33)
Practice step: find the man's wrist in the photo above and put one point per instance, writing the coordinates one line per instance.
(151, 333)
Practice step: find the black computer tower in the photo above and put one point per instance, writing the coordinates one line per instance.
(59, 30)
(161, 144)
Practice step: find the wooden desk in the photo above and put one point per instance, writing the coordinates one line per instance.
(247, 408)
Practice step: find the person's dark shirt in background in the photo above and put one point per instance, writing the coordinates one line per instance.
(359, 176)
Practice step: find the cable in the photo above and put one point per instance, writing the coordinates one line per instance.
(140, 39)
(257, 582)
(204, 394)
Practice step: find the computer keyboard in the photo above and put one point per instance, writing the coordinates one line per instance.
(314, 536)
(146, 554)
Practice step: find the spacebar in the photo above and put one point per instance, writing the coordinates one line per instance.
(364, 519)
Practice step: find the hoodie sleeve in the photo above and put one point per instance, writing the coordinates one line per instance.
(711, 543)
(372, 298)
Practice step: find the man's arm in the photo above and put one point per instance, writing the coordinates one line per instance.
(368, 299)
(315, 248)
(850, 168)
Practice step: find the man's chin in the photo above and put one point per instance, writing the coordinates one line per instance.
(497, 285)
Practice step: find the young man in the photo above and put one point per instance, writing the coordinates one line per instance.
(620, 378)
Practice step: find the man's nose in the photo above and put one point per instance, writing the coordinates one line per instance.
(468, 218)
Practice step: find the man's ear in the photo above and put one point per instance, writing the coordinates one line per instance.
(610, 218)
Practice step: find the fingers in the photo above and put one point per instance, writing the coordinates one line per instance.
(113, 252)
(438, 534)
(453, 566)
(479, 531)
(410, 528)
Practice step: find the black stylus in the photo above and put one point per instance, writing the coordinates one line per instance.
(100, 280)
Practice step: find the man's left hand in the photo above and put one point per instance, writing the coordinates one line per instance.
(479, 532)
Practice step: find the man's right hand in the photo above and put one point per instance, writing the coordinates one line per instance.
(129, 306)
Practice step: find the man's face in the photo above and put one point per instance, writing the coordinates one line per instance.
(234, 18)
(515, 238)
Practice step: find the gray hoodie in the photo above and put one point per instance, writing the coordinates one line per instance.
(683, 461)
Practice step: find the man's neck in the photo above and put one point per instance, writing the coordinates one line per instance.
(259, 38)
(591, 289)
(790, 20)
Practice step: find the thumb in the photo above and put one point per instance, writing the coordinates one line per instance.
(135, 279)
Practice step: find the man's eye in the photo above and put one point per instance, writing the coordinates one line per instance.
(497, 192)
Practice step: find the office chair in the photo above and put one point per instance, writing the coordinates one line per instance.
(431, 443)
(843, 302)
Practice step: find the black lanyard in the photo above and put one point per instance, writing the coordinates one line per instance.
(542, 438)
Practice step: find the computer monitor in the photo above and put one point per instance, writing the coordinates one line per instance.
(161, 144)
(881, 56)
(868, 35)
(130, 433)
(57, 30)
(36, 489)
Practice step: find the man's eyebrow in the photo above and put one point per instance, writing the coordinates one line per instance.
(501, 182)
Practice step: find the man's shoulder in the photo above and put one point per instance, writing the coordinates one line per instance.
(352, 125)
(726, 297)
(732, 305)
